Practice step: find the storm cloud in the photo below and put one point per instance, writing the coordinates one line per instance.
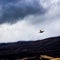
(13, 10)
(30, 16)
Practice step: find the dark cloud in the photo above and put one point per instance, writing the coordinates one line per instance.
(13, 10)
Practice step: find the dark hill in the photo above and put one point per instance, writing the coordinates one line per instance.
(49, 46)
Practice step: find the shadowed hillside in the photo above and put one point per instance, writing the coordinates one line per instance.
(49, 46)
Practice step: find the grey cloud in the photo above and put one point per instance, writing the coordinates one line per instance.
(25, 29)
(13, 10)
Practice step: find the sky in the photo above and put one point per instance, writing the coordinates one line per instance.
(21, 20)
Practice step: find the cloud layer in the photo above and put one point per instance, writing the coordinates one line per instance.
(40, 14)
(14, 10)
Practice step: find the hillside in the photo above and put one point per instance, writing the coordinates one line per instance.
(48, 46)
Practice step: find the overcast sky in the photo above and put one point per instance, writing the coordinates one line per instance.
(21, 20)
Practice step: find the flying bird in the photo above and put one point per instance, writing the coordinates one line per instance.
(41, 31)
